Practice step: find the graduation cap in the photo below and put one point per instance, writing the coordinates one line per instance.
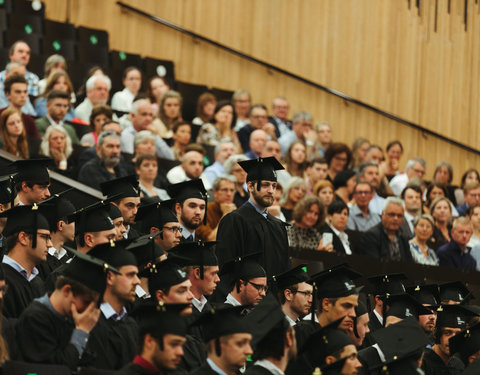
(360, 309)
(122, 187)
(454, 291)
(336, 282)
(60, 209)
(398, 342)
(32, 170)
(222, 321)
(113, 211)
(466, 342)
(156, 215)
(325, 341)
(261, 169)
(425, 294)
(452, 316)
(388, 284)
(7, 189)
(114, 253)
(189, 189)
(264, 318)
(243, 268)
(200, 253)
(165, 274)
(27, 218)
(88, 270)
(291, 277)
(145, 250)
(404, 305)
(93, 218)
(159, 319)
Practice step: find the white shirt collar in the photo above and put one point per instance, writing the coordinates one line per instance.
(57, 254)
(199, 304)
(215, 368)
(232, 301)
(290, 320)
(109, 312)
(19, 268)
(380, 318)
(265, 363)
(52, 121)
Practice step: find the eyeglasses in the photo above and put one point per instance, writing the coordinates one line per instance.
(46, 237)
(306, 294)
(260, 288)
(175, 230)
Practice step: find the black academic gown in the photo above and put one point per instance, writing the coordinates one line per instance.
(433, 365)
(132, 233)
(257, 370)
(44, 337)
(52, 263)
(245, 231)
(374, 323)
(20, 292)
(194, 356)
(303, 330)
(473, 368)
(114, 343)
(204, 370)
(133, 369)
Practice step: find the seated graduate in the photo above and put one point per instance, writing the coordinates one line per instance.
(118, 222)
(294, 293)
(27, 234)
(273, 340)
(114, 339)
(467, 345)
(402, 306)
(160, 216)
(7, 197)
(228, 338)
(32, 180)
(162, 332)
(55, 329)
(61, 229)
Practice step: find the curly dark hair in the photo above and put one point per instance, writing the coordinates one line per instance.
(304, 205)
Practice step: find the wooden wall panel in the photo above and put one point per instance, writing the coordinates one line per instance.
(419, 64)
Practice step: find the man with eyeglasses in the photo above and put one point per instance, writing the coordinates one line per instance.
(361, 218)
(415, 168)
(385, 240)
(27, 235)
(294, 293)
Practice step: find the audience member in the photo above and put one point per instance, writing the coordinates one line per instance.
(54, 63)
(98, 90)
(13, 137)
(471, 194)
(315, 171)
(232, 167)
(258, 139)
(456, 253)
(434, 190)
(361, 218)
(302, 130)
(324, 190)
(106, 165)
(58, 80)
(391, 167)
(146, 167)
(384, 240)
(324, 139)
(242, 101)
(157, 87)
(336, 224)
(279, 118)
(473, 215)
(375, 154)
(169, 113)
(296, 159)
(191, 167)
(369, 172)
(220, 127)
(359, 151)
(443, 174)
(57, 145)
(99, 116)
(182, 135)
(206, 104)
(223, 189)
(423, 230)
(132, 83)
(471, 175)
(223, 151)
(412, 198)
(338, 157)
(258, 120)
(272, 148)
(13, 69)
(415, 168)
(295, 190)
(58, 103)
(442, 214)
(344, 183)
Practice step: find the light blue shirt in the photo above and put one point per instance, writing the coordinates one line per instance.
(231, 300)
(109, 312)
(264, 212)
(79, 337)
(377, 204)
(214, 171)
(356, 220)
(286, 140)
(215, 368)
(17, 267)
(128, 136)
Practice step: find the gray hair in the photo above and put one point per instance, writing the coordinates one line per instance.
(222, 142)
(392, 200)
(52, 62)
(231, 161)
(241, 92)
(91, 81)
(427, 217)
(294, 182)
(104, 135)
(12, 65)
(365, 165)
(302, 116)
(218, 181)
(45, 145)
(138, 103)
(143, 135)
(412, 162)
(318, 125)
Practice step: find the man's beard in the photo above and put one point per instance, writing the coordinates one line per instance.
(111, 162)
(262, 201)
(189, 224)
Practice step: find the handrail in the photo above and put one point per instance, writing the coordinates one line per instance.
(299, 78)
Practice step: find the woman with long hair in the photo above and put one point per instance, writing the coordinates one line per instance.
(359, 151)
(423, 227)
(57, 145)
(205, 109)
(157, 87)
(170, 112)
(295, 190)
(13, 137)
(221, 126)
(391, 167)
(296, 159)
(441, 211)
(324, 190)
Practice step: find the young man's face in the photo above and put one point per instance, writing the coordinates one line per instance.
(81, 302)
(129, 207)
(253, 291)
(119, 227)
(343, 307)
(18, 94)
(236, 349)
(39, 253)
(58, 108)
(123, 285)
(210, 279)
(301, 300)
(35, 194)
(352, 364)
(265, 196)
(172, 352)
(191, 212)
(446, 334)
(180, 293)
(172, 233)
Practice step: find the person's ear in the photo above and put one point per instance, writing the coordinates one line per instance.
(196, 273)
(326, 304)
(288, 294)
(330, 359)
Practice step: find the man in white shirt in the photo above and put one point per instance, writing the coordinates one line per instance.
(98, 91)
(415, 168)
(132, 80)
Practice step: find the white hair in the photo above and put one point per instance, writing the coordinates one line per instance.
(138, 103)
(45, 145)
(91, 81)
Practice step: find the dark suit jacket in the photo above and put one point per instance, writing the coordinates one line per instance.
(405, 229)
(274, 121)
(204, 370)
(375, 244)
(42, 124)
(336, 242)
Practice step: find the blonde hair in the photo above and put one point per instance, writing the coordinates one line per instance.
(45, 145)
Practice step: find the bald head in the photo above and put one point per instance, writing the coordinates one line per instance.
(258, 138)
(192, 164)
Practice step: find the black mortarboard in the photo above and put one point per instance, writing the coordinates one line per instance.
(93, 218)
(264, 318)
(113, 211)
(325, 341)
(243, 268)
(200, 253)
(223, 321)
(189, 189)
(156, 215)
(452, 316)
(32, 170)
(60, 208)
(466, 342)
(399, 341)
(7, 189)
(388, 284)
(144, 249)
(114, 253)
(425, 294)
(404, 305)
(165, 274)
(122, 187)
(26, 218)
(342, 177)
(361, 308)
(261, 169)
(454, 291)
(336, 282)
(291, 277)
(160, 319)
(88, 270)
